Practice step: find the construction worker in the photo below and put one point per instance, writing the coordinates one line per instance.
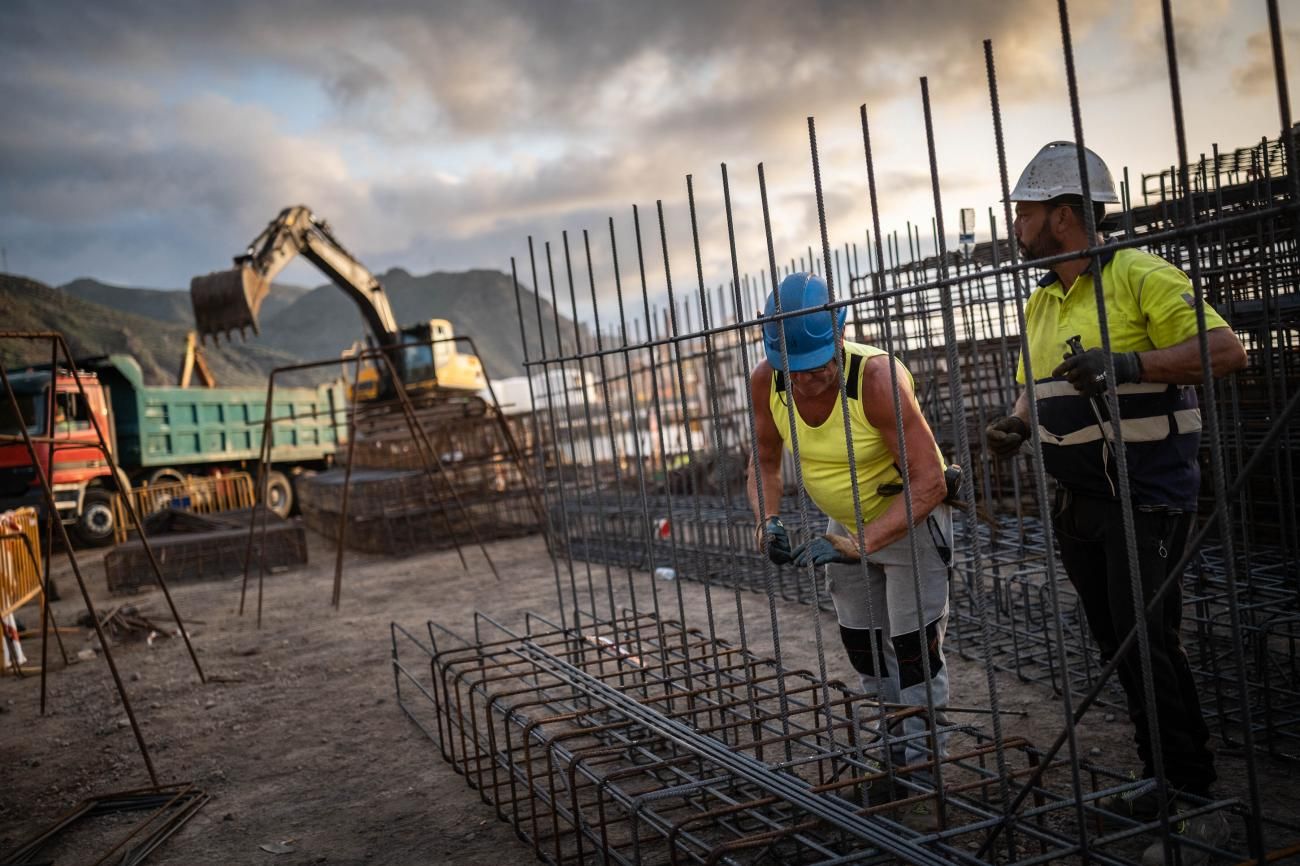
(1151, 318)
(888, 637)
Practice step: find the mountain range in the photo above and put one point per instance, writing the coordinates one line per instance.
(297, 324)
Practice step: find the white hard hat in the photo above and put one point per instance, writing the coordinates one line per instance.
(1054, 171)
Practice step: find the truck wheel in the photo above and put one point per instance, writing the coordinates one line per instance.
(166, 475)
(94, 526)
(279, 493)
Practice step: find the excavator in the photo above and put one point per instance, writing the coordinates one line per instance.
(424, 355)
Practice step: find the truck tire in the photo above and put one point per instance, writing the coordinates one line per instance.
(166, 475)
(95, 524)
(279, 493)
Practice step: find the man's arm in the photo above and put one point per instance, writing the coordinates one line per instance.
(1180, 364)
(768, 445)
(1021, 409)
(924, 469)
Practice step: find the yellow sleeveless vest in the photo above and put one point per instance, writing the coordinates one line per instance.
(824, 458)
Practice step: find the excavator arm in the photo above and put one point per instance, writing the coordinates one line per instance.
(230, 300)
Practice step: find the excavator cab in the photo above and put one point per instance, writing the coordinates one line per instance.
(227, 301)
(430, 359)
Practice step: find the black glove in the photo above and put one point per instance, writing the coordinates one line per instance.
(824, 549)
(775, 542)
(1005, 435)
(1087, 371)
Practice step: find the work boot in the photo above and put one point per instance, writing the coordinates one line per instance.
(922, 816)
(1211, 829)
(1135, 806)
(883, 790)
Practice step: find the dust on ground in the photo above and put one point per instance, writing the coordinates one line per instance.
(297, 735)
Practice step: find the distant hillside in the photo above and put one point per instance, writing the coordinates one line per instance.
(297, 324)
(166, 305)
(479, 304)
(95, 329)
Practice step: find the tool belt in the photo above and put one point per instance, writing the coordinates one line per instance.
(951, 478)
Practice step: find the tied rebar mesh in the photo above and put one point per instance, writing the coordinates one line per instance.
(699, 714)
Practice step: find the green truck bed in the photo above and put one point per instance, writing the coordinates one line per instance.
(164, 426)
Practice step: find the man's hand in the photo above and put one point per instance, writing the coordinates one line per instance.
(1006, 435)
(826, 548)
(774, 541)
(1087, 371)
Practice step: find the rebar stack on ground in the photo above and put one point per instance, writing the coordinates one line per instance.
(632, 729)
(638, 741)
(481, 489)
(205, 547)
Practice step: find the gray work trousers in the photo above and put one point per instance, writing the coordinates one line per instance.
(887, 601)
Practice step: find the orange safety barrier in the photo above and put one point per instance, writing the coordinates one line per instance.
(201, 494)
(20, 571)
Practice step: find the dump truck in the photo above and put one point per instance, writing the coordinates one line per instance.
(156, 434)
(423, 355)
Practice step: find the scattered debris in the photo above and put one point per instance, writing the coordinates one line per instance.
(125, 622)
(166, 810)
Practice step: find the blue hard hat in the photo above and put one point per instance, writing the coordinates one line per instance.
(810, 338)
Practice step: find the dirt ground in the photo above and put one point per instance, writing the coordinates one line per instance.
(297, 735)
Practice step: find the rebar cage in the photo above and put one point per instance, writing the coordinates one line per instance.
(682, 704)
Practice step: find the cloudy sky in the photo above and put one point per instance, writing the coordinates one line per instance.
(145, 142)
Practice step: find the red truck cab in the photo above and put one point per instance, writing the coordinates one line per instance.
(59, 419)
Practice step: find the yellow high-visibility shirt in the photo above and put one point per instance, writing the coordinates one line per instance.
(1149, 305)
(823, 456)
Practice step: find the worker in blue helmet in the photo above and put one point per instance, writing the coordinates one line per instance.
(892, 622)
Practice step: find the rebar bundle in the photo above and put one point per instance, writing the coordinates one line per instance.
(639, 741)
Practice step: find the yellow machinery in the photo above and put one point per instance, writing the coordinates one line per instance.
(424, 355)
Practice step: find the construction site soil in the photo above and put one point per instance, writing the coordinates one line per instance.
(297, 735)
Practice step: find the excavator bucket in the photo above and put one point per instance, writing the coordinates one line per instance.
(227, 301)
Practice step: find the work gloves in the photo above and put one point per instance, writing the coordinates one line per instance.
(774, 541)
(1087, 371)
(824, 549)
(1005, 435)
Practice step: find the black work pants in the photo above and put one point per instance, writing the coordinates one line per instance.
(1090, 536)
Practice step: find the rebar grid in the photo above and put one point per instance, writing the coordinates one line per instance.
(597, 750)
(1019, 608)
(644, 438)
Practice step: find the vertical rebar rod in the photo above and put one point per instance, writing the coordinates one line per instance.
(801, 494)
(1116, 447)
(1212, 425)
(555, 440)
(642, 459)
(679, 368)
(568, 425)
(1068, 735)
(769, 570)
(652, 362)
(591, 436)
(538, 442)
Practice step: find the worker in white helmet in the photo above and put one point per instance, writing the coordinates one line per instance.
(1151, 317)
